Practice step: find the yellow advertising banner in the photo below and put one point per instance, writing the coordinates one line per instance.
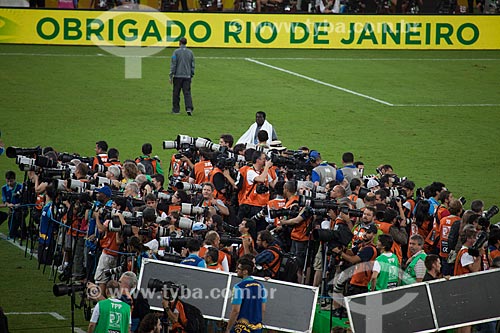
(153, 28)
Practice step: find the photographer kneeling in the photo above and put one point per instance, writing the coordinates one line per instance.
(175, 312)
(268, 261)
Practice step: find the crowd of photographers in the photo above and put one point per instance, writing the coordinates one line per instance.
(305, 220)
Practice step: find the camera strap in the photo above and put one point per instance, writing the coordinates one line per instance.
(253, 185)
(250, 191)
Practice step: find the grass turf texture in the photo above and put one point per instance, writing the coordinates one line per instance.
(71, 101)
(25, 289)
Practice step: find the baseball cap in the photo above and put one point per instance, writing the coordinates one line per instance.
(313, 154)
(106, 191)
(372, 183)
(371, 228)
(198, 226)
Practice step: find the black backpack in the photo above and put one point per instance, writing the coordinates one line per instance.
(149, 165)
(195, 320)
(289, 268)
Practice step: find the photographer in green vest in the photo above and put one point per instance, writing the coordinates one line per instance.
(385, 273)
(111, 314)
(415, 265)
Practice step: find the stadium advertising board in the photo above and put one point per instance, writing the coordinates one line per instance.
(152, 28)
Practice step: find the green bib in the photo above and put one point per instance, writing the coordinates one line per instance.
(113, 317)
(410, 276)
(388, 277)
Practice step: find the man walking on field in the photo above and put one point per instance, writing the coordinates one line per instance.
(181, 73)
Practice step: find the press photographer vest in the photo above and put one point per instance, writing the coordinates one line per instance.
(363, 270)
(350, 174)
(276, 204)
(177, 166)
(202, 171)
(444, 232)
(113, 316)
(109, 244)
(396, 248)
(410, 276)
(326, 173)
(388, 276)
(299, 231)
(217, 194)
(459, 269)
(150, 164)
(100, 159)
(242, 183)
(250, 195)
(274, 266)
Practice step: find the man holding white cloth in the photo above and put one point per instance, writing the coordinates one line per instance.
(250, 136)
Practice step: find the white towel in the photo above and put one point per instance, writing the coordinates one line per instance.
(249, 135)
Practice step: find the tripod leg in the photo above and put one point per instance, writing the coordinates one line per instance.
(304, 269)
(324, 278)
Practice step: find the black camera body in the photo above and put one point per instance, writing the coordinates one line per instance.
(305, 201)
(484, 220)
(334, 238)
(289, 213)
(172, 289)
(171, 257)
(228, 240)
(481, 239)
(234, 230)
(224, 161)
(65, 158)
(13, 152)
(173, 243)
(261, 188)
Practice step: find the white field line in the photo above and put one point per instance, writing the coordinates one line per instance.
(244, 58)
(53, 314)
(444, 105)
(319, 82)
(4, 237)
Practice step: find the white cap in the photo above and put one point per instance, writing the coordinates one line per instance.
(372, 183)
(276, 145)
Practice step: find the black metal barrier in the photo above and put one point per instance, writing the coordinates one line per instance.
(428, 306)
(290, 306)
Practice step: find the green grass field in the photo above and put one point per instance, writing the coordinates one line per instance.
(433, 115)
(25, 289)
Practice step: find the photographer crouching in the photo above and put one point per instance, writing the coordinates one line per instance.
(268, 261)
